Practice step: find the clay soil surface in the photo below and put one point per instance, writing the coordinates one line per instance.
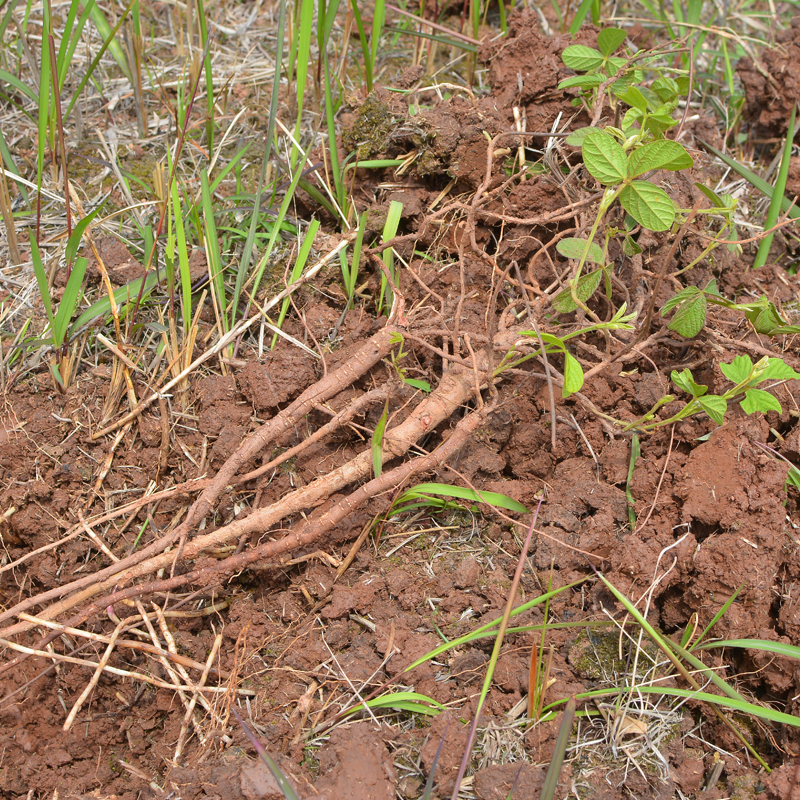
(302, 632)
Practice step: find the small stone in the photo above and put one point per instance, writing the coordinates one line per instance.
(467, 573)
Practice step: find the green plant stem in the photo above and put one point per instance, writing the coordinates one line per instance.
(609, 196)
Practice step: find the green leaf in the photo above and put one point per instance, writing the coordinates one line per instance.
(685, 380)
(13, 80)
(634, 98)
(285, 787)
(631, 122)
(778, 370)
(550, 785)
(711, 195)
(581, 82)
(56, 373)
(738, 370)
(715, 406)
(575, 139)
(417, 384)
(765, 318)
(130, 291)
(663, 154)
(614, 64)
(573, 375)
(604, 157)
(575, 248)
(690, 317)
(631, 247)
(445, 490)
(581, 58)
(759, 400)
(658, 124)
(609, 39)
(649, 205)
(377, 441)
(683, 294)
(666, 89)
(587, 284)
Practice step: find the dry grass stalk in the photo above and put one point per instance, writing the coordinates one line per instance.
(51, 655)
(8, 219)
(133, 645)
(193, 702)
(95, 677)
(223, 342)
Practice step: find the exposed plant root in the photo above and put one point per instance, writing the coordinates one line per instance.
(455, 388)
(363, 360)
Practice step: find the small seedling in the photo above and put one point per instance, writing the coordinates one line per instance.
(620, 156)
(746, 377)
(691, 305)
(59, 320)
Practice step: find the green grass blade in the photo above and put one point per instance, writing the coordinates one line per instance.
(225, 171)
(7, 17)
(718, 616)
(778, 195)
(201, 18)
(122, 296)
(333, 153)
(21, 87)
(757, 181)
(580, 16)
(378, 17)
(484, 629)
(775, 648)
(213, 252)
(11, 167)
(244, 263)
(69, 301)
(743, 706)
(44, 115)
(74, 241)
(445, 41)
(365, 49)
(405, 701)
(306, 26)
(556, 762)
(393, 217)
(426, 795)
(350, 275)
(109, 35)
(70, 38)
(635, 453)
(108, 40)
(297, 269)
(285, 787)
(445, 490)
(183, 258)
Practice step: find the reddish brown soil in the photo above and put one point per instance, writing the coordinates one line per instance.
(291, 633)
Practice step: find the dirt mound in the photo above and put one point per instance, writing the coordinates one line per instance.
(772, 84)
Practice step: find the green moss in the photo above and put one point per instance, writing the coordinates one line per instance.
(369, 134)
(744, 787)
